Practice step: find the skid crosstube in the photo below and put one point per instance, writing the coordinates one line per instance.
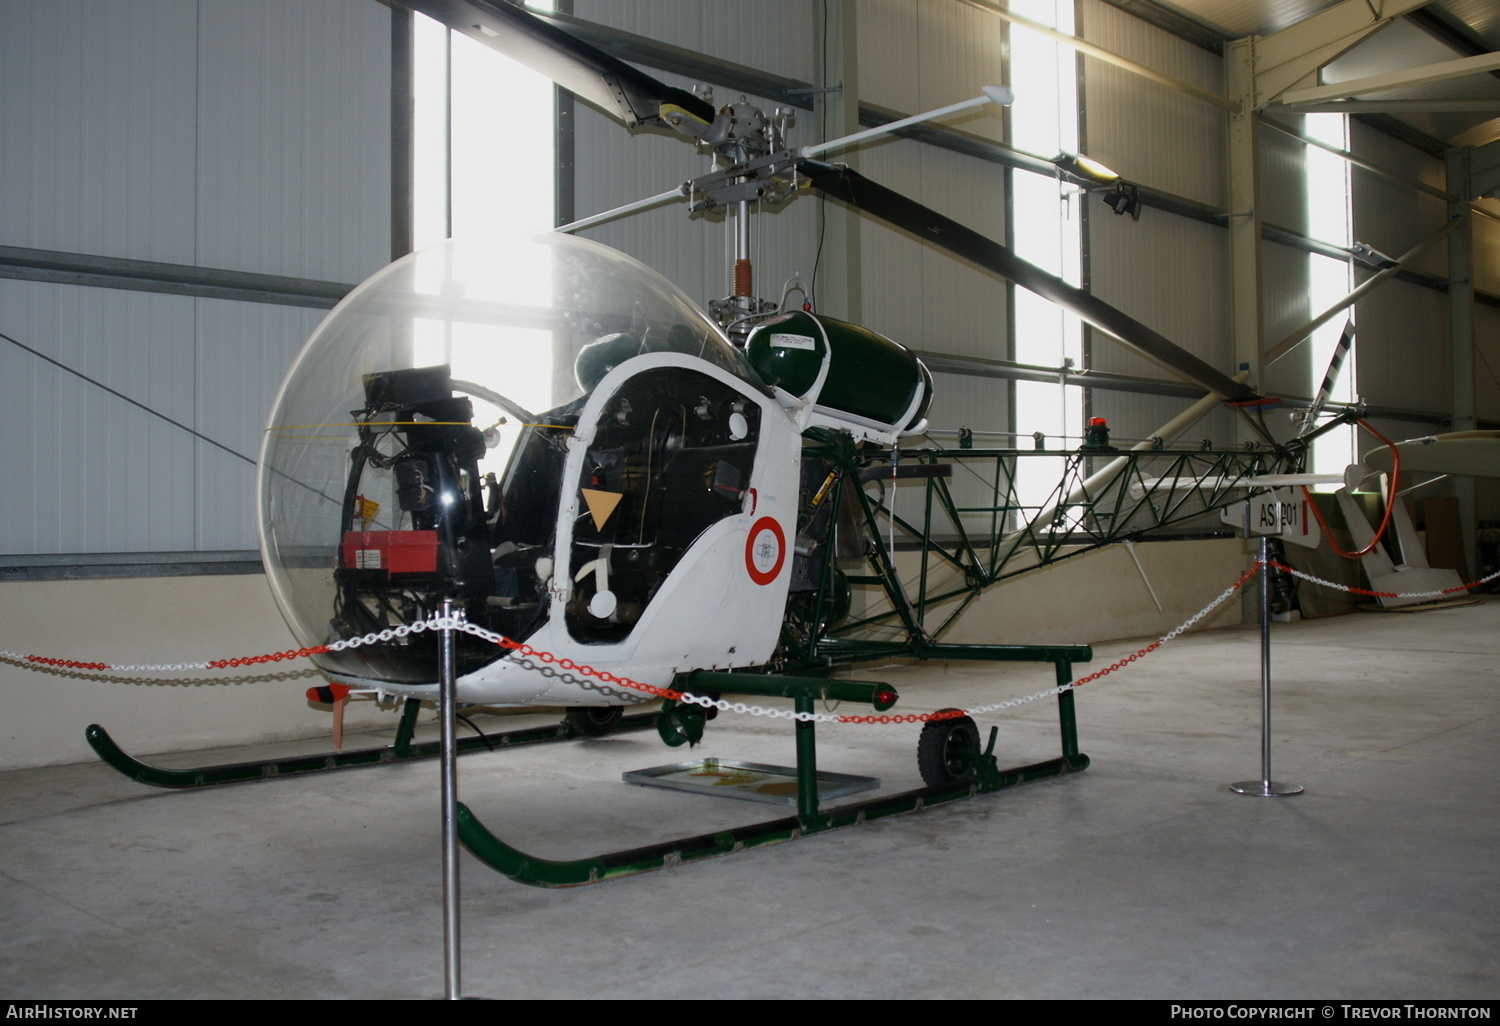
(402, 750)
(987, 777)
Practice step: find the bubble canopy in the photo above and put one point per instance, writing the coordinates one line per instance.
(437, 372)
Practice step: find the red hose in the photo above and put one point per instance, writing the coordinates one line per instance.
(1390, 501)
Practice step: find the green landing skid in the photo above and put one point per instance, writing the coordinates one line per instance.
(986, 777)
(402, 750)
(537, 872)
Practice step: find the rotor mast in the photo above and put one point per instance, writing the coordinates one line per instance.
(751, 165)
(743, 294)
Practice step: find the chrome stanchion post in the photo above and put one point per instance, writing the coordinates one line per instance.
(447, 709)
(1265, 787)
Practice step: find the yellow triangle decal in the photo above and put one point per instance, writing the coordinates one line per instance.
(601, 505)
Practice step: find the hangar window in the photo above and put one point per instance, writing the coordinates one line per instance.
(1045, 231)
(483, 139)
(1329, 279)
(483, 168)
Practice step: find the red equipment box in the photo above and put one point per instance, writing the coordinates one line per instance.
(395, 552)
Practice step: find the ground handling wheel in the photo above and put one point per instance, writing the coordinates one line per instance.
(946, 749)
(594, 720)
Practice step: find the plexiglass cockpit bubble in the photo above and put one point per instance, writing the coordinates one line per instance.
(416, 448)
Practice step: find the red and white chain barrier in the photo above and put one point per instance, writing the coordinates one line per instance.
(1385, 594)
(572, 666)
(439, 623)
(221, 664)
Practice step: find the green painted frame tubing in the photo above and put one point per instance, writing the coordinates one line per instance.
(807, 761)
(776, 686)
(843, 650)
(1056, 654)
(538, 872)
(234, 773)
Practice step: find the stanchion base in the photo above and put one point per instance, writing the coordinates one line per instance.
(1266, 788)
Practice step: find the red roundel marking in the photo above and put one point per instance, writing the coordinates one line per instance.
(765, 551)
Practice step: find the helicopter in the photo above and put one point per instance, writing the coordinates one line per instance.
(655, 511)
(619, 496)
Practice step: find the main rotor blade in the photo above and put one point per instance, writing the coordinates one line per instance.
(601, 79)
(895, 209)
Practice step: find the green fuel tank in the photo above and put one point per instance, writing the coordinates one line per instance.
(850, 373)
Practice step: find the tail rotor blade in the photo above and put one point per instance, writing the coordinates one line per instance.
(1340, 351)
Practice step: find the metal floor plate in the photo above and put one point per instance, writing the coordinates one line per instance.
(747, 781)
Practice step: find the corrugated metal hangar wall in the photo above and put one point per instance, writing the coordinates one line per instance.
(251, 139)
(190, 184)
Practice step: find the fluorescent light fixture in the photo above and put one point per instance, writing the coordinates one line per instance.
(1084, 170)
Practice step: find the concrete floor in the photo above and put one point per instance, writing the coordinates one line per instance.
(1143, 877)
